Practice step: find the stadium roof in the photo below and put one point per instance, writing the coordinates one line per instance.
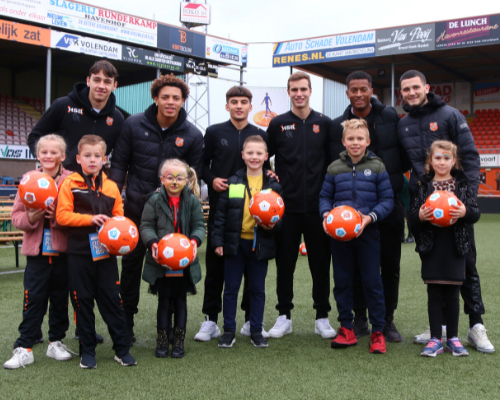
(465, 49)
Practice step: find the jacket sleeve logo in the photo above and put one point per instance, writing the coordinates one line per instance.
(179, 142)
(434, 126)
(109, 121)
(316, 128)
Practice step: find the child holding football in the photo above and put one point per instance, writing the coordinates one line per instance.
(358, 179)
(244, 245)
(443, 250)
(46, 275)
(174, 208)
(86, 201)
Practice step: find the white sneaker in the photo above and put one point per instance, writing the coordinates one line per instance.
(283, 326)
(476, 337)
(208, 330)
(323, 328)
(20, 358)
(58, 351)
(245, 330)
(425, 337)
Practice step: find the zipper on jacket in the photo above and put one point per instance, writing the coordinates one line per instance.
(354, 185)
(239, 140)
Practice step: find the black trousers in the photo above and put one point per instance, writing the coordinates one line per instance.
(318, 255)
(97, 280)
(44, 280)
(214, 279)
(130, 283)
(438, 297)
(391, 230)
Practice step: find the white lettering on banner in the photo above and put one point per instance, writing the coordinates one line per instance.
(489, 160)
(16, 152)
(80, 44)
(328, 42)
(224, 51)
(351, 52)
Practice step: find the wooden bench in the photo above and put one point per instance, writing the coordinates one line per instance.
(15, 237)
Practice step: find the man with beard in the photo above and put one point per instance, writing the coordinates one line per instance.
(148, 138)
(430, 119)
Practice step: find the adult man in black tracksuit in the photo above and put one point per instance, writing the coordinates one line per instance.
(430, 119)
(382, 124)
(299, 140)
(146, 140)
(89, 109)
(222, 158)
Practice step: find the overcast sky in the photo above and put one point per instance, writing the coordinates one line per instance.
(280, 20)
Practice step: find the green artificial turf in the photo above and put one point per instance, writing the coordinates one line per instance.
(297, 366)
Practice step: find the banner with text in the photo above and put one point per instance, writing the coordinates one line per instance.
(324, 49)
(486, 92)
(224, 51)
(85, 45)
(468, 32)
(181, 41)
(154, 59)
(24, 33)
(83, 18)
(13, 152)
(405, 39)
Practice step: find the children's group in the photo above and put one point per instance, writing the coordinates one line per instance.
(159, 159)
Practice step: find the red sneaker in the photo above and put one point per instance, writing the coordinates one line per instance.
(345, 337)
(377, 343)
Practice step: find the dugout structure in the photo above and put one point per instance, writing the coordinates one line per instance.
(460, 59)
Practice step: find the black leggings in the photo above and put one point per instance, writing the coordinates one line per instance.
(439, 296)
(180, 312)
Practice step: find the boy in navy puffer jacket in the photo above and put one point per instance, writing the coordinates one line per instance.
(358, 179)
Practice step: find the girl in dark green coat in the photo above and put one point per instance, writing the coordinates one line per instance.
(174, 207)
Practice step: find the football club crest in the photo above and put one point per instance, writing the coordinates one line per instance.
(316, 128)
(109, 121)
(434, 126)
(179, 142)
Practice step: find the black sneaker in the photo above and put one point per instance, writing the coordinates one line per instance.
(258, 340)
(410, 239)
(391, 333)
(227, 340)
(127, 360)
(360, 327)
(88, 362)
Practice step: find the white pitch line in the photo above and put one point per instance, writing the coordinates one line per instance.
(12, 272)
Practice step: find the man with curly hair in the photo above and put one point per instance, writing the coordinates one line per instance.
(159, 133)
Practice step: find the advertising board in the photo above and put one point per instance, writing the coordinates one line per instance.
(324, 49)
(468, 32)
(405, 39)
(24, 33)
(153, 59)
(486, 92)
(13, 152)
(224, 51)
(85, 45)
(195, 13)
(181, 41)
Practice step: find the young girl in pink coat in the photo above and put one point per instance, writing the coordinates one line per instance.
(46, 275)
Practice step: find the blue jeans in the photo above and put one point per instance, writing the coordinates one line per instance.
(256, 271)
(366, 249)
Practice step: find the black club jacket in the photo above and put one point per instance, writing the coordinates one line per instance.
(222, 155)
(229, 217)
(72, 117)
(390, 150)
(301, 150)
(437, 121)
(143, 146)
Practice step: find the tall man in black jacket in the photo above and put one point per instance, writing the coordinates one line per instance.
(89, 109)
(299, 140)
(430, 119)
(222, 159)
(382, 124)
(148, 138)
